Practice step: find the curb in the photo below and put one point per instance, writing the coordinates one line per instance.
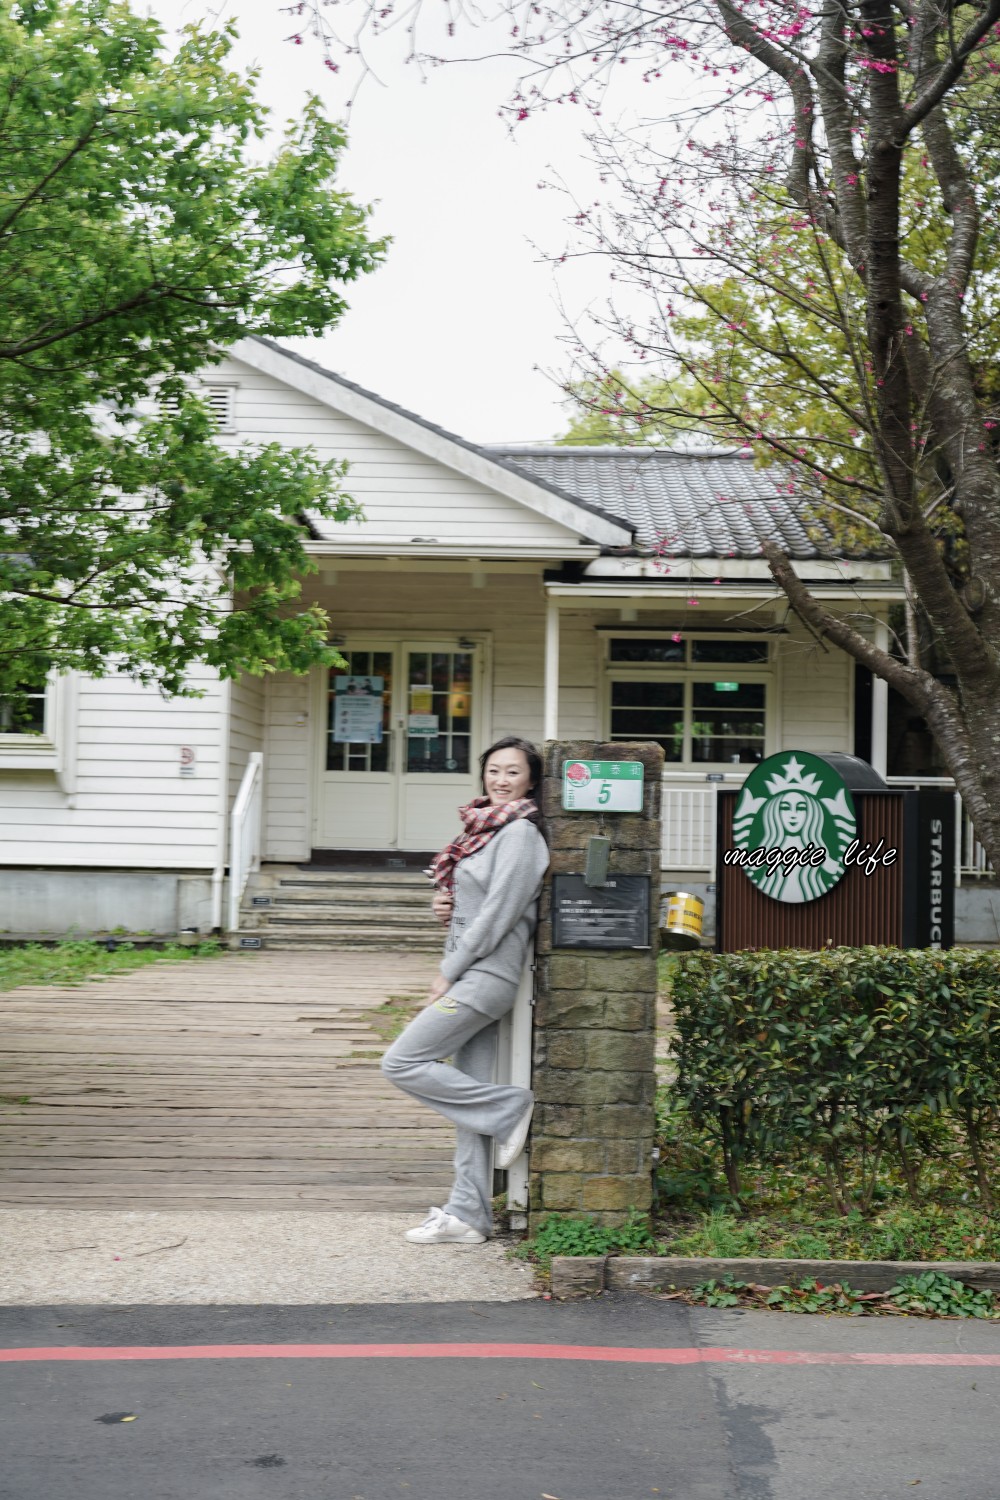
(583, 1275)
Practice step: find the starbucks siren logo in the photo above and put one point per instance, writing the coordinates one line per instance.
(794, 819)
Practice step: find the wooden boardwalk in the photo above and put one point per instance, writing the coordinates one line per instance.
(249, 1081)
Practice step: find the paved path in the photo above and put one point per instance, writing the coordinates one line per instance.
(617, 1399)
(220, 1132)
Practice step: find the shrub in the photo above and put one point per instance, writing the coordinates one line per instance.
(848, 1055)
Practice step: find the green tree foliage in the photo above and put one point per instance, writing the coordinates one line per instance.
(615, 410)
(139, 237)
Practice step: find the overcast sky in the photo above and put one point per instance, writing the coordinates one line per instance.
(460, 322)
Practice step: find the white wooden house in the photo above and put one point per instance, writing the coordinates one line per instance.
(546, 592)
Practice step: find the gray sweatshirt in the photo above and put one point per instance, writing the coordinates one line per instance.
(494, 917)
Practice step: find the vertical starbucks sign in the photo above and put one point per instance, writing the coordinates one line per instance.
(793, 822)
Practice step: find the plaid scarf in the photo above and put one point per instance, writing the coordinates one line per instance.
(482, 821)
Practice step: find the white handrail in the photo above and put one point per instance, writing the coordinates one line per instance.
(244, 834)
(970, 856)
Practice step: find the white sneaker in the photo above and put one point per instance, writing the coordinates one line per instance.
(509, 1150)
(440, 1228)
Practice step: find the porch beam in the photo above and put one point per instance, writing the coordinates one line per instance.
(665, 593)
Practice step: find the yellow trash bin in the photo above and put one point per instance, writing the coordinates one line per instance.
(681, 917)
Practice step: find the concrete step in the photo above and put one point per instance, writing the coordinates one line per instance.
(389, 879)
(337, 916)
(418, 900)
(341, 909)
(345, 940)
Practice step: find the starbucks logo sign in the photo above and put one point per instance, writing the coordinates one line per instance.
(793, 824)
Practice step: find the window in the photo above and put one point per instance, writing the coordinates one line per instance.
(651, 650)
(649, 711)
(727, 721)
(38, 731)
(24, 715)
(704, 699)
(368, 675)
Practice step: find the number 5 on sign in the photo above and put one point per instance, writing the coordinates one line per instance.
(602, 785)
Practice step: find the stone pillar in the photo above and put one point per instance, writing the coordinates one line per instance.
(595, 1016)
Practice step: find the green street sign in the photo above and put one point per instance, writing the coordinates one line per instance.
(602, 785)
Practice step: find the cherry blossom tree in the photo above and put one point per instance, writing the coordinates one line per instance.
(801, 221)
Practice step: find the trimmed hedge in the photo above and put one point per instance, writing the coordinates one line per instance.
(848, 1055)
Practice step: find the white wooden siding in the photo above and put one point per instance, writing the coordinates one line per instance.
(246, 727)
(287, 770)
(817, 694)
(131, 807)
(404, 493)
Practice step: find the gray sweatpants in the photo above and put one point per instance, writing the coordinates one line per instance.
(463, 1092)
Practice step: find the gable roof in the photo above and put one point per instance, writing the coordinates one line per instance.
(695, 503)
(605, 528)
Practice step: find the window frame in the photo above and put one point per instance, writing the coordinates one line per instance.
(54, 748)
(688, 673)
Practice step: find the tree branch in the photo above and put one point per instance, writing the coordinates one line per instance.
(918, 687)
(948, 73)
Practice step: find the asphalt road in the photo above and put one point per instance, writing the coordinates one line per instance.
(685, 1423)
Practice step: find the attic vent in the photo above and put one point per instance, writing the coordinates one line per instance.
(220, 399)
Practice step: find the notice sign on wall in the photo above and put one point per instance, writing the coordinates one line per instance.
(357, 710)
(602, 785)
(615, 915)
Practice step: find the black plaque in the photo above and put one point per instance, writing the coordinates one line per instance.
(615, 915)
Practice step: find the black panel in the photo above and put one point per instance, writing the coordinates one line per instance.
(615, 915)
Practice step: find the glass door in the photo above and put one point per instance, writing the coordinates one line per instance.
(400, 737)
(440, 733)
(357, 803)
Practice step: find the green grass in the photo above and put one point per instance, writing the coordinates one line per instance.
(74, 961)
(785, 1209)
(930, 1232)
(390, 1019)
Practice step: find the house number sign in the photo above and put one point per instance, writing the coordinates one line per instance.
(602, 786)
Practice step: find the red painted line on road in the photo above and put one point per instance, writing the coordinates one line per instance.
(601, 1353)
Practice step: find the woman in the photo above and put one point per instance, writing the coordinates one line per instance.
(488, 882)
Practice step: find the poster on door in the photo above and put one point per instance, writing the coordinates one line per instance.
(357, 710)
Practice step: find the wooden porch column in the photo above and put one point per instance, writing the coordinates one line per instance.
(880, 706)
(550, 728)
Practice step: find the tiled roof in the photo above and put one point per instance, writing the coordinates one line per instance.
(711, 503)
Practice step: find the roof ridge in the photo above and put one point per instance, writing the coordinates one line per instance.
(611, 450)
